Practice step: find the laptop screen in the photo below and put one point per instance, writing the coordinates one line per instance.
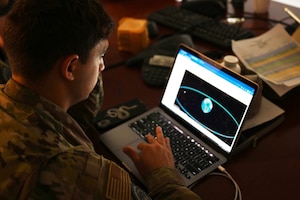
(210, 98)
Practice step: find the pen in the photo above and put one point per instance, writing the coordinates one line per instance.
(292, 15)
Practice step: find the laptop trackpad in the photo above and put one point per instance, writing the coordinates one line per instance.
(118, 138)
(127, 162)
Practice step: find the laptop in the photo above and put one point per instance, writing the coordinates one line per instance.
(202, 110)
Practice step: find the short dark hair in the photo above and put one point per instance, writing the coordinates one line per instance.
(39, 32)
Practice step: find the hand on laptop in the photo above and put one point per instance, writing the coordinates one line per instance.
(155, 154)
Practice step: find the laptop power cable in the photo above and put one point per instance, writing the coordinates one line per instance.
(224, 173)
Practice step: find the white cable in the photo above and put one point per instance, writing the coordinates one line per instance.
(224, 173)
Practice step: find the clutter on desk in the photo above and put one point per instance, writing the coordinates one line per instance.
(274, 56)
(132, 34)
(199, 26)
(117, 114)
(160, 53)
(167, 46)
(232, 62)
(155, 71)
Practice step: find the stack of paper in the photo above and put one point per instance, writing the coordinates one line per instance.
(274, 56)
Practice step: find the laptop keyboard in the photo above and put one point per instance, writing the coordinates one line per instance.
(190, 156)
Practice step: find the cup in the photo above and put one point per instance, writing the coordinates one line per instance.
(261, 6)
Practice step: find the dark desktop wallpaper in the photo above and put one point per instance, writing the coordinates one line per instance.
(210, 107)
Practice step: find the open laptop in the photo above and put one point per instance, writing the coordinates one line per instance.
(203, 108)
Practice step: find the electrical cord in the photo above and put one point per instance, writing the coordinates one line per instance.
(224, 173)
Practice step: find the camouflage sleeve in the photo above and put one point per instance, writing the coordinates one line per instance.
(85, 111)
(79, 174)
(166, 183)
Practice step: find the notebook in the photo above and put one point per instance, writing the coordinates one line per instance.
(203, 106)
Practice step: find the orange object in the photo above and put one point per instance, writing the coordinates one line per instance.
(132, 34)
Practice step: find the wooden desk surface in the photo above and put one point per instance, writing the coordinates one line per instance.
(268, 171)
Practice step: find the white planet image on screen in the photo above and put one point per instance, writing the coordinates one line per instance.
(206, 105)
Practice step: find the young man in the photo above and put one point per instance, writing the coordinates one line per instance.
(55, 50)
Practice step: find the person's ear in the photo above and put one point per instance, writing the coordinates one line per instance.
(69, 65)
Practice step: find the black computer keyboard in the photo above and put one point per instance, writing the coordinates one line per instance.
(199, 26)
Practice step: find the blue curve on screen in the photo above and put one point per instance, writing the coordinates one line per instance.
(215, 132)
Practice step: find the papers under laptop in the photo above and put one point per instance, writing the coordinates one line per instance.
(202, 111)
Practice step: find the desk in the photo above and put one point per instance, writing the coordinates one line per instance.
(268, 171)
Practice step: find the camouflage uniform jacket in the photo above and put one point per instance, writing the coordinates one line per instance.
(45, 154)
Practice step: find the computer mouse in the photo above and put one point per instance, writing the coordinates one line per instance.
(210, 8)
(152, 29)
